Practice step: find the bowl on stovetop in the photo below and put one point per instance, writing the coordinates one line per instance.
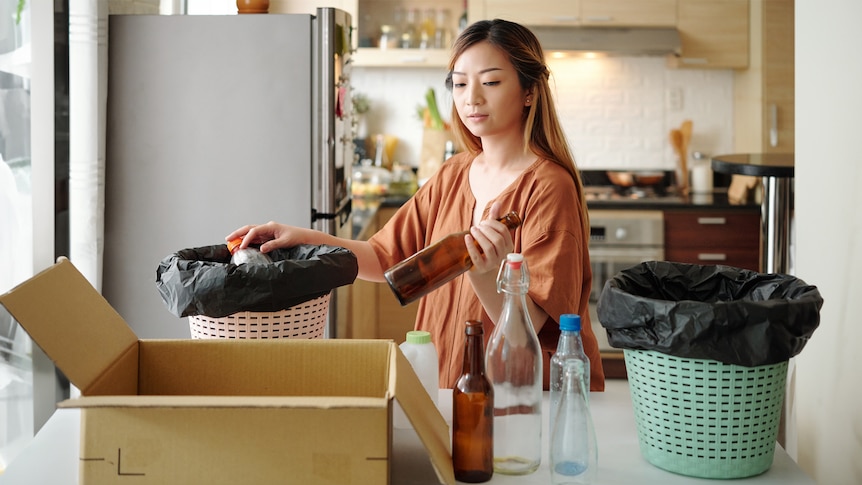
(629, 186)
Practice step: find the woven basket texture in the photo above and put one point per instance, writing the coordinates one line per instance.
(304, 321)
(703, 418)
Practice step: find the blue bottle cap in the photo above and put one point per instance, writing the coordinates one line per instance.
(570, 322)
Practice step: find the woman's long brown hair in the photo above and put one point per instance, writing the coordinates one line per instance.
(543, 134)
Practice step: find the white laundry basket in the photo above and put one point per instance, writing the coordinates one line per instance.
(304, 321)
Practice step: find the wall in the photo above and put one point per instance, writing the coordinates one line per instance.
(829, 236)
(617, 112)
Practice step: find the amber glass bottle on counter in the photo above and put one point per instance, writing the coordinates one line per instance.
(473, 413)
(249, 255)
(435, 265)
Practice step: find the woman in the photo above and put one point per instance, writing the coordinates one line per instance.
(516, 158)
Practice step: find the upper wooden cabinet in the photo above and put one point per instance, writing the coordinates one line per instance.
(536, 12)
(640, 13)
(616, 13)
(714, 34)
(763, 94)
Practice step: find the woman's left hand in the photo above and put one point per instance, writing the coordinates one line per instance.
(493, 237)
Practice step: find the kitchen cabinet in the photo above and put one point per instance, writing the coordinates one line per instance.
(536, 12)
(713, 237)
(764, 93)
(606, 13)
(375, 311)
(373, 14)
(714, 34)
(629, 13)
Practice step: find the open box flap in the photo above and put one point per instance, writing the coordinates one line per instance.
(204, 402)
(424, 416)
(73, 324)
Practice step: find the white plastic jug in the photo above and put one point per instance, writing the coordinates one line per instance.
(422, 355)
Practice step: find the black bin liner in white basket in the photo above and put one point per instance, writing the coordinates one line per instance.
(202, 281)
(727, 314)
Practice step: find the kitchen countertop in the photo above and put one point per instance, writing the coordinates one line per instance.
(364, 210)
(716, 200)
(756, 164)
(52, 456)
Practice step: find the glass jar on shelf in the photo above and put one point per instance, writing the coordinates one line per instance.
(410, 29)
(388, 39)
(442, 32)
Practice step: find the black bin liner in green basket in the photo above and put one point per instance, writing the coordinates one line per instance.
(727, 314)
(202, 281)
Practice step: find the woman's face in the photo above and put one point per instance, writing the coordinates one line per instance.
(486, 92)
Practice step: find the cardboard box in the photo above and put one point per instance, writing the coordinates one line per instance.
(223, 411)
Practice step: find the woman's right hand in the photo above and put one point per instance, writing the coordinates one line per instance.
(271, 235)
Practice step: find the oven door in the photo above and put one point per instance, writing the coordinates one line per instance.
(606, 262)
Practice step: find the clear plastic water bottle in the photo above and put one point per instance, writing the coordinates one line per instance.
(422, 354)
(573, 450)
(570, 346)
(513, 363)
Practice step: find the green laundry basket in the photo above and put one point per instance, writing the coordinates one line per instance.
(703, 418)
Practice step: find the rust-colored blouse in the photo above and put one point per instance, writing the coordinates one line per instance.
(551, 238)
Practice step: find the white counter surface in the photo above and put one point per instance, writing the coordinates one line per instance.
(52, 457)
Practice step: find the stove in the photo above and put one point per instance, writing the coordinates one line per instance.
(602, 193)
(598, 188)
(619, 239)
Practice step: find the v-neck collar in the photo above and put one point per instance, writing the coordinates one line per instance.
(468, 189)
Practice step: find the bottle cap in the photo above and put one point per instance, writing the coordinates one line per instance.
(418, 337)
(570, 322)
(515, 260)
(233, 244)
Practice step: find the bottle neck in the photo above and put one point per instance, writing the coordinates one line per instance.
(510, 220)
(514, 277)
(574, 379)
(570, 341)
(474, 355)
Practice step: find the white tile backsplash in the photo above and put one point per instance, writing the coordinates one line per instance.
(615, 111)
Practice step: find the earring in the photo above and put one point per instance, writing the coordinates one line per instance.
(528, 101)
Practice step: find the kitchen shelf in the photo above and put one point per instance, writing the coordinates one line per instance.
(374, 57)
(372, 14)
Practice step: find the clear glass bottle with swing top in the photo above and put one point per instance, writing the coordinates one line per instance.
(513, 362)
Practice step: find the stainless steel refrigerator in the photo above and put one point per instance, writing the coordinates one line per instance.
(214, 122)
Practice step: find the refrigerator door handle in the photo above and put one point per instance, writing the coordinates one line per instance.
(341, 215)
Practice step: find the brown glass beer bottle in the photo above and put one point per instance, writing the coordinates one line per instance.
(435, 265)
(473, 413)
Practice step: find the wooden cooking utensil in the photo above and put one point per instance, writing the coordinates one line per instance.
(685, 130)
(676, 141)
(686, 133)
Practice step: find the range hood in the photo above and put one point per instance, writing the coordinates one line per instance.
(610, 41)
